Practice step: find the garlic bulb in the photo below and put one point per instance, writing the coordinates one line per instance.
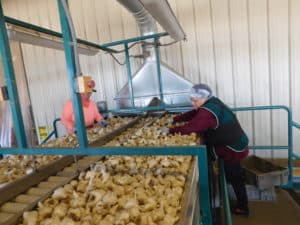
(30, 218)
(14, 167)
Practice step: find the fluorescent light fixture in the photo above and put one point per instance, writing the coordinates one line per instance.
(43, 40)
(161, 11)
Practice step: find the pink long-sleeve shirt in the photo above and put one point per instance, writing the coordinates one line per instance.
(90, 112)
(199, 121)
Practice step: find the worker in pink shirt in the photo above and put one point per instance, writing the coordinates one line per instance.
(90, 112)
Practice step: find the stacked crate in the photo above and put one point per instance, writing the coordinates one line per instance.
(262, 176)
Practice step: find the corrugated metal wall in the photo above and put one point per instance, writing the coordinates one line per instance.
(247, 50)
(7, 136)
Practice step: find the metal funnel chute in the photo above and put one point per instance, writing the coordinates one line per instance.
(145, 87)
(145, 82)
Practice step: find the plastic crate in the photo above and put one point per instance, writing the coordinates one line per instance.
(254, 193)
(264, 174)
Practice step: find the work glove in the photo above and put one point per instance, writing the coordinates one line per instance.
(165, 130)
(103, 123)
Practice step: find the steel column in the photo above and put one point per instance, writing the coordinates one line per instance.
(129, 75)
(291, 146)
(223, 184)
(72, 74)
(11, 83)
(204, 190)
(157, 55)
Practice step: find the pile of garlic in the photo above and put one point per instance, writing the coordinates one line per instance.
(16, 166)
(92, 134)
(128, 190)
(152, 136)
(148, 164)
(99, 197)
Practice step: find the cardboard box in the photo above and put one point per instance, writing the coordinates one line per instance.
(255, 194)
(264, 174)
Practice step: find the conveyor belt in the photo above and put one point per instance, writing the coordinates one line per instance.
(23, 194)
(16, 187)
(12, 210)
(53, 177)
(114, 133)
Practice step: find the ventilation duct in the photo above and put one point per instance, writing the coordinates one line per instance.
(163, 14)
(145, 82)
(145, 87)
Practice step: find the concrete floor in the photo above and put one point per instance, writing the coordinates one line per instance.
(285, 211)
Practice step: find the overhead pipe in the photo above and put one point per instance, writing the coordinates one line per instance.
(154, 78)
(145, 12)
(146, 24)
(163, 13)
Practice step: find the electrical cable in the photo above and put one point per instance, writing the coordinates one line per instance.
(114, 57)
(132, 45)
(129, 47)
(168, 44)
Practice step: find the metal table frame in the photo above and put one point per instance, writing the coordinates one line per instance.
(199, 151)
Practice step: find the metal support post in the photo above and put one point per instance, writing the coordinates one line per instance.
(226, 205)
(205, 203)
(291, 147)
(11, 83)
(160, 84)
(73, 73)
(129, 75)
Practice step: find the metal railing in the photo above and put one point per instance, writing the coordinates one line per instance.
(54, 132)
(224, 194)
(289, 147)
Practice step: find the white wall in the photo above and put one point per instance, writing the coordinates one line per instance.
(247, 50)
(7, 137)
